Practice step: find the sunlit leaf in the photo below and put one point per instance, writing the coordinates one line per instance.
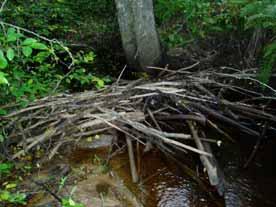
(10, 185)
(71, 202)
(11, 35)
(3, 79)
(4, 195)
(11, 30)
(39, 46)
(29, 41)
(27, 51)
(5, 167)
(10, 54)
(3, 60)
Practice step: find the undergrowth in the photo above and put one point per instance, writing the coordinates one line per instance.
(31, 67)
(186, 21)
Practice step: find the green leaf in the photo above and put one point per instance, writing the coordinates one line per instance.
(29, 41)
(11, 35)
(10, 54)
(41, 56)
(2, 112)
(3, 60)
(27, 51)
(10, 185)
(39, 46)
(71, 202)
(4, 195)
(5, 167)
(11, 30)
(3, 79)
(99, 83)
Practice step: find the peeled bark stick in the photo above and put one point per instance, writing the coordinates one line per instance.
(131, 160)
(222, 118)
(215, 175)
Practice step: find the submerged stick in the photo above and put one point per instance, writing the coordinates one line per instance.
(216, 177)
(256, 147)
(133, 169)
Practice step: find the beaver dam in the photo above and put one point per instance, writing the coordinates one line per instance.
(187, 138)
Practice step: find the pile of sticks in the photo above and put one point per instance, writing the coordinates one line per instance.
(173, 112)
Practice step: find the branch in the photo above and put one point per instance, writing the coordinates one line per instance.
(3, 5)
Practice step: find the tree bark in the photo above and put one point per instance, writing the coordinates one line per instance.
(138, 32)
(126, 24)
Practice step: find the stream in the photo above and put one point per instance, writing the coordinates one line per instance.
(163, 184)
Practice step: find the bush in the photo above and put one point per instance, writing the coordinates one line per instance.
(200, 18)
(191, 20)
(31, 68)
(262, 15)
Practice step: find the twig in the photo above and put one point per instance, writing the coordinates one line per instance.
(2, 6)
(121, 74)
(256, 147)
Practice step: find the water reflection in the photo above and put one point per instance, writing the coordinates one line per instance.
(244, 188)
(165, 185)
(171, 193)
(170, 186)
(252, 187)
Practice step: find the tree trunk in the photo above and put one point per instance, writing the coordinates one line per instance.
(138, 32)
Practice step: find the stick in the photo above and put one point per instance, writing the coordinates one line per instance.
(256, 147)
(131, 160)
(215, 177)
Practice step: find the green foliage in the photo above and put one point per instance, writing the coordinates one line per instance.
(26, 67)
(62, 19)
(62, 183)
(45, 17)
(30, 68)
(5, 168)
(198, 18)
(9, 197)
(69, 202)
(262, 14)
(195, 19)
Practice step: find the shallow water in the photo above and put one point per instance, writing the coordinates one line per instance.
(163, 184)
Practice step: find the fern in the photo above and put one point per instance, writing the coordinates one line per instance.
(262, 14)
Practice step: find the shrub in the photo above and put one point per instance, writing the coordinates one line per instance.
(31, 68)
(262, 15)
